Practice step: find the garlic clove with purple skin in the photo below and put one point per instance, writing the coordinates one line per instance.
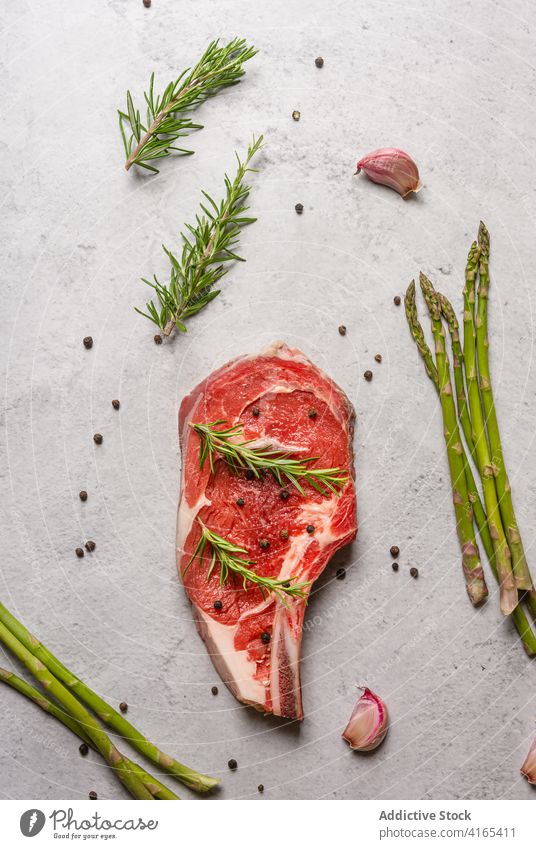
(368, 723)
(529, 767)
(391, 167)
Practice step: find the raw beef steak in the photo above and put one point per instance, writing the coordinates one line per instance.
(280, 398)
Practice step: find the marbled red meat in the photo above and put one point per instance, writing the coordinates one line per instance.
(284, 386)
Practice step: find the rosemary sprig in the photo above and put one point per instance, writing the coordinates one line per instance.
(227, 555)
(209, 245)
(283, 465)
(168, 114)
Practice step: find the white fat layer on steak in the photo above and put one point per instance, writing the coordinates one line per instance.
(320, 514)
(281, 349)
(186, 518)
(187, 513)
(275, 444)
(234, 665)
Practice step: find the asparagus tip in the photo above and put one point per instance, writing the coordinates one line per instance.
(483, 236)
(430, 296)
(409, 297)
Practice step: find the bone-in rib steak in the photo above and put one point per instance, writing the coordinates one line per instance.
(280, 398)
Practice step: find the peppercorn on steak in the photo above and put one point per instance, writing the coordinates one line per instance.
(267, 498)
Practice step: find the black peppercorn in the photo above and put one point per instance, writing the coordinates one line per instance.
(157, 339)
(299, 208)
(340, 574)
(83, 749)
(312, 414)
(284, 494)
(232, 764)
(264, 544)
(319, 62)
(88, 342)
(342, 330)
(217, 604)
(240, 502)
(147, 4)
(90, 545)
(82, 495)
(256, 412)
(414, 572)
(116, 404)
(93, 795)
(368, 375)
(123, 707)
(265, 637)
(378, 358)
(260, 788)
(395, 566)
(214, 691)
(250, 474)
(97, 438)
(310, 529)
(395, 551)
(397, 300)
(296, 115)
(79, 552)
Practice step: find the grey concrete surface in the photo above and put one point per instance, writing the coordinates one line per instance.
(454, 84)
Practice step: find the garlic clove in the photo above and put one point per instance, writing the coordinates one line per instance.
(391, 167)
(529, 767)
(368, 723)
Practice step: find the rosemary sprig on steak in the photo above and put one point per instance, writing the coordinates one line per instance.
(228, 556)
(209, 244)
(168, 115)
(283, 465)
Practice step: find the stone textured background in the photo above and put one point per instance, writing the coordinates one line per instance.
(454, 84)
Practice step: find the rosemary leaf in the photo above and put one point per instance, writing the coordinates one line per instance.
(206, 247)
(283, 465)
(228, 557)
(168, 114)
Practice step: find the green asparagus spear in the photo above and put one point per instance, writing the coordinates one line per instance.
(418, 335)
(520, 620)
(155, 787)
(449, 315)
(472, 567)
(465, 420)
(508, 589)
(518, 616)
(189, 777)
(417, 332)
(90, 725)
(519, 563)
